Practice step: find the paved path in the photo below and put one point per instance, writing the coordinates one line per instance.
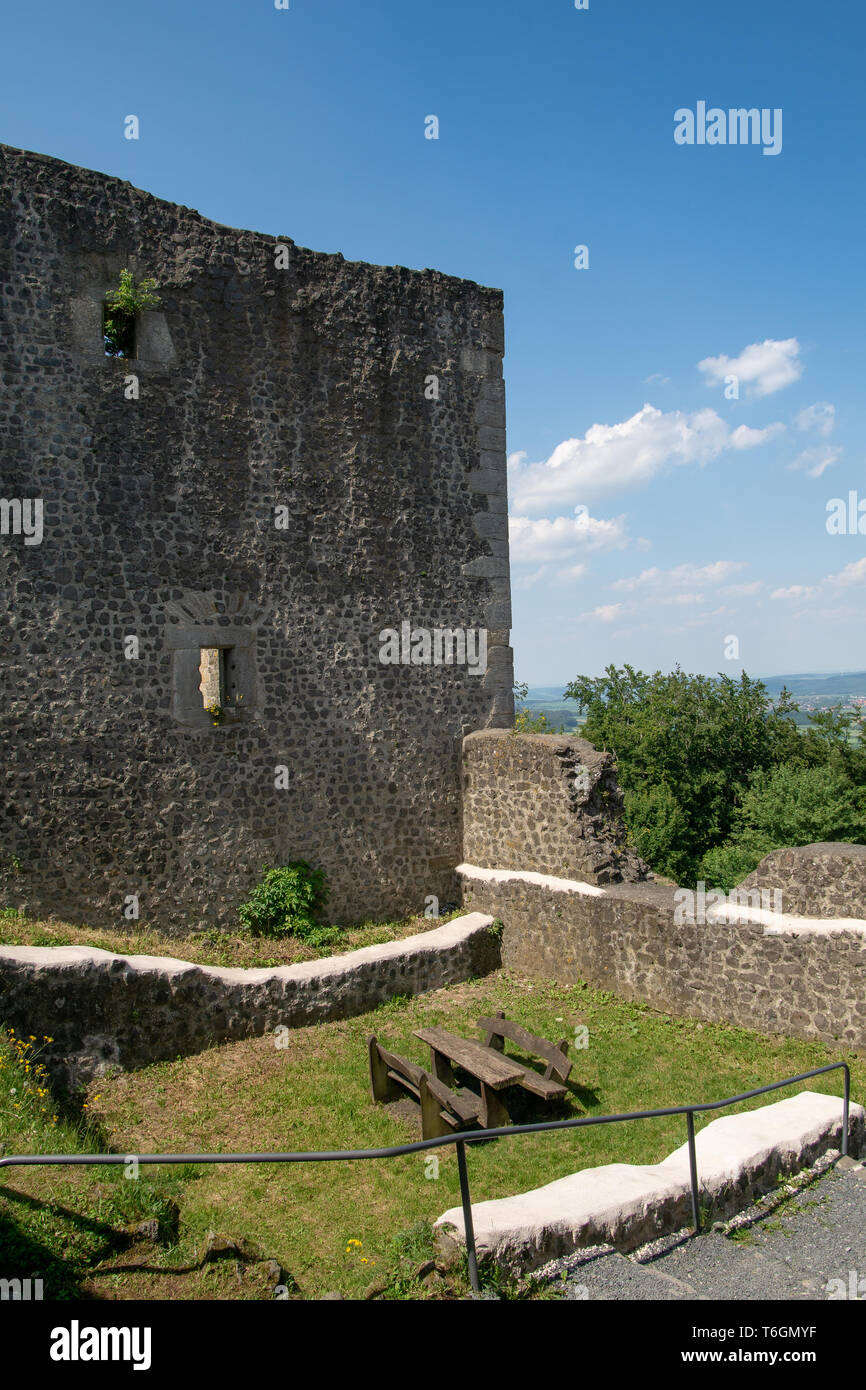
(791, 1252)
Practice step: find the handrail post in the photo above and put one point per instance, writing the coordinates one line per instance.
(693, 1171)
(467, 1216)
(845, 1105)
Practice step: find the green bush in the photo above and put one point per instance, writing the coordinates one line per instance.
(285, 904)
(658, 829)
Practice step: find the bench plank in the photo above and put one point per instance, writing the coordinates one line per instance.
(542, 1085)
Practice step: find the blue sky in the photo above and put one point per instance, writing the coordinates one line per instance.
(699, 518)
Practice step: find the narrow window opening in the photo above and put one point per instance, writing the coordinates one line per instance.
(121, 311)
(212, 672)
(220, 695)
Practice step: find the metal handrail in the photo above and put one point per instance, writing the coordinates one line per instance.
(460, 1139)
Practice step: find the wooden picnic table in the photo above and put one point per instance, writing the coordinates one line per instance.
(490, 1068)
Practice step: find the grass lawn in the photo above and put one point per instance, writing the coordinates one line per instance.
(333, 1225)
(215, 947)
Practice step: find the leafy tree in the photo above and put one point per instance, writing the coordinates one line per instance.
(788, 805)
(659, 830)
(839, 734)
(122, 307)
(798, 806)
(715, 775)
(727, 865)
(686, 747)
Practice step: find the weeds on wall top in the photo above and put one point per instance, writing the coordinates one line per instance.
(122, 308)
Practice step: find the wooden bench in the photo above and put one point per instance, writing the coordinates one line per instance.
(442, 1110)
(496, 1029)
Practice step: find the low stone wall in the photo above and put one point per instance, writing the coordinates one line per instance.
(820, 880)
(803, 977)
(626, 1205)
(102, 1010)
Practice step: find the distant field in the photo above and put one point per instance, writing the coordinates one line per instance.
(557, 713)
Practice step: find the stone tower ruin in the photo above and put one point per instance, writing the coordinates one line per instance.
(301, 454)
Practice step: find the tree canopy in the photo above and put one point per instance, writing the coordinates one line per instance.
(716, 774)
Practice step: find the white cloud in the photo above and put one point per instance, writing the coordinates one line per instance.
(657, 579)
(657, 380)
(816, 461)
(795, 591)
(572, 572)
(542, 540)
(836, 615)
(612, 458)
(744, 437)
(528, 581)
(701, 620)
(852, 574)
(855, 573)
(606, 613)
(820, 417)
(762, 367)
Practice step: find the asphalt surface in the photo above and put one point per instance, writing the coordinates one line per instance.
(807, 1239)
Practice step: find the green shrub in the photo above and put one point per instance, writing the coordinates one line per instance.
(727, 865)
(659, 829)
(122, 307)
(285, 904)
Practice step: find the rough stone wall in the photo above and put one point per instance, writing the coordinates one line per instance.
(547, 803)
(103, 1011)
(805, 985)
(820, 880)
(259, 387)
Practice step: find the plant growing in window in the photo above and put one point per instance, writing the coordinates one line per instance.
(122, 308)
(221, 713)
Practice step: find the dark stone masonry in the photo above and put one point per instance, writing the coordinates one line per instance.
(316, 453)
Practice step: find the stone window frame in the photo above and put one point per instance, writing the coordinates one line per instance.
(153, 343)
(185, 643)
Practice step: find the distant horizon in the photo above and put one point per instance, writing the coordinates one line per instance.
(755, 675)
